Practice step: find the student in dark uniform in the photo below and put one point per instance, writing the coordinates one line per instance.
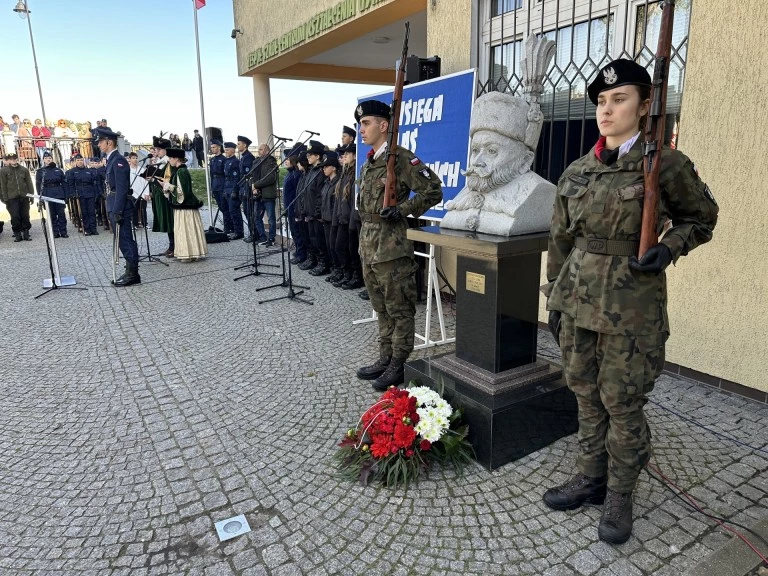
(246, 197)
(83, 185)
(51, 182)
(231, 190)
(216, 166)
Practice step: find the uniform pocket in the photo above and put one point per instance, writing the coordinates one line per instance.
(634, 192)
(651, 348)
(574, 187)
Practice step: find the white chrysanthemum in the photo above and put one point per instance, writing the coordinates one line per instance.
(434, 413)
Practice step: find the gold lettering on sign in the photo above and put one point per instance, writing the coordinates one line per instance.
(476, 282)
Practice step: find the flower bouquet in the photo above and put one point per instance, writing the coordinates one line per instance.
(400, 436)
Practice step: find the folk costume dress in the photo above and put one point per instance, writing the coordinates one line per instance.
(187, 224)
(162, 213)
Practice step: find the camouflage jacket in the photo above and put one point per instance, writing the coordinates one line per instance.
(381, 240)
(597, 201)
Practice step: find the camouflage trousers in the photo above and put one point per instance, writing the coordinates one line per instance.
(611, 376)
(392, 291)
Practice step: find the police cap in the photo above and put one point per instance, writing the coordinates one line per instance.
(106, 134)
(47, 154)
(621, 72)
(372, 108)
(316, 147)
(295, 151)
(77, 157)
(330, 159)
(244, 139)
(217, 143)
(230, 145)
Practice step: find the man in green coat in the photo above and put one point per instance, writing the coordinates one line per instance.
(15, 184)
(389, 266)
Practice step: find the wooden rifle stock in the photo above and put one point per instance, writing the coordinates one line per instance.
(390, 188)
(654, 131)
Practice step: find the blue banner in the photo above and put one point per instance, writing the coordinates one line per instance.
(434, 125)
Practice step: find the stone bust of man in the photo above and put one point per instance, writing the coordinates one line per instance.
(502, 195)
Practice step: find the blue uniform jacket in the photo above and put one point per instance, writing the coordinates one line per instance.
(119, 182)
(217, 172)
(231, 174)
(51, 182)
(246, 165)
(82, 182)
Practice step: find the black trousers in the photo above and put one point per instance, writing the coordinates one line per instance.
(354, 249)
(329, 231)
(18, 208)
(317, 232)
(341, 246)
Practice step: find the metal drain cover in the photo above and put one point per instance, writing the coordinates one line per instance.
(231, 527)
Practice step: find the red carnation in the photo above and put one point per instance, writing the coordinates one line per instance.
(381, 446)
(425, 445)
(404, 435)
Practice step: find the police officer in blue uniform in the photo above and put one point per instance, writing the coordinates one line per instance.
(216, 166)
(120, 205)
(51, 182)
(231, 193)
(246, 165)
(83, 184)
(100, 170)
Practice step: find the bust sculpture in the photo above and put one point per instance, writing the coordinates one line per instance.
(502, 195)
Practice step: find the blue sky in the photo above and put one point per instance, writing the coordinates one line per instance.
(134, 64)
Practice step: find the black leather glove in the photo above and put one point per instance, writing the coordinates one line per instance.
(118, 218)
(554, 324)
(391, 213)
(654, 261)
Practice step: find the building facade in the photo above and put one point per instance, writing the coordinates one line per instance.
(718, 294)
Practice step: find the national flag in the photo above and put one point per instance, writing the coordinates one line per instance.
(199, 4)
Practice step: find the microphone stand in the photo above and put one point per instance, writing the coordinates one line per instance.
(292, 294)
(57, 281)
(251, 223)
(151, 258)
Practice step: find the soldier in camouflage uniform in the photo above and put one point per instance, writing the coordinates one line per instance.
(607, 309)
(389, 266)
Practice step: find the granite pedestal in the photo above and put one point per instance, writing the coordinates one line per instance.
(514, 403)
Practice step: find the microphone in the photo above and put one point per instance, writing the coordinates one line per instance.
(283, 139)
(313, 133)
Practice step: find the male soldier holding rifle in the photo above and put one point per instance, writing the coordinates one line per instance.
(389, 266)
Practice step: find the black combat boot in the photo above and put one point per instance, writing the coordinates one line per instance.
(25, 235)
(394, 375)
(336, 273)
(345, 277)
(355, 282)
(129, 277)
(374, 370)
(616, 523)
(575, 492)
(297, 260)
(17, 237)
(309, 263)
(321, 269)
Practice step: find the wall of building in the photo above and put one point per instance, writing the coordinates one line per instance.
(718, 296)
(449, 33)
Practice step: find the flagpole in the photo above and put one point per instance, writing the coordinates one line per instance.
(202, 117)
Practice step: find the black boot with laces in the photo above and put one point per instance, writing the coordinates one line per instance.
(616, 523)
(575, 492)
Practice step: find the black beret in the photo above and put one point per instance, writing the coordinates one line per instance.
(316, 147)
(175, 153)
(244, 139)
(372, 108)
(348, 130)
(330, 159)
(621, 72)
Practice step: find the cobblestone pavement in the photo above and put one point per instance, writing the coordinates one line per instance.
(131, 420)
